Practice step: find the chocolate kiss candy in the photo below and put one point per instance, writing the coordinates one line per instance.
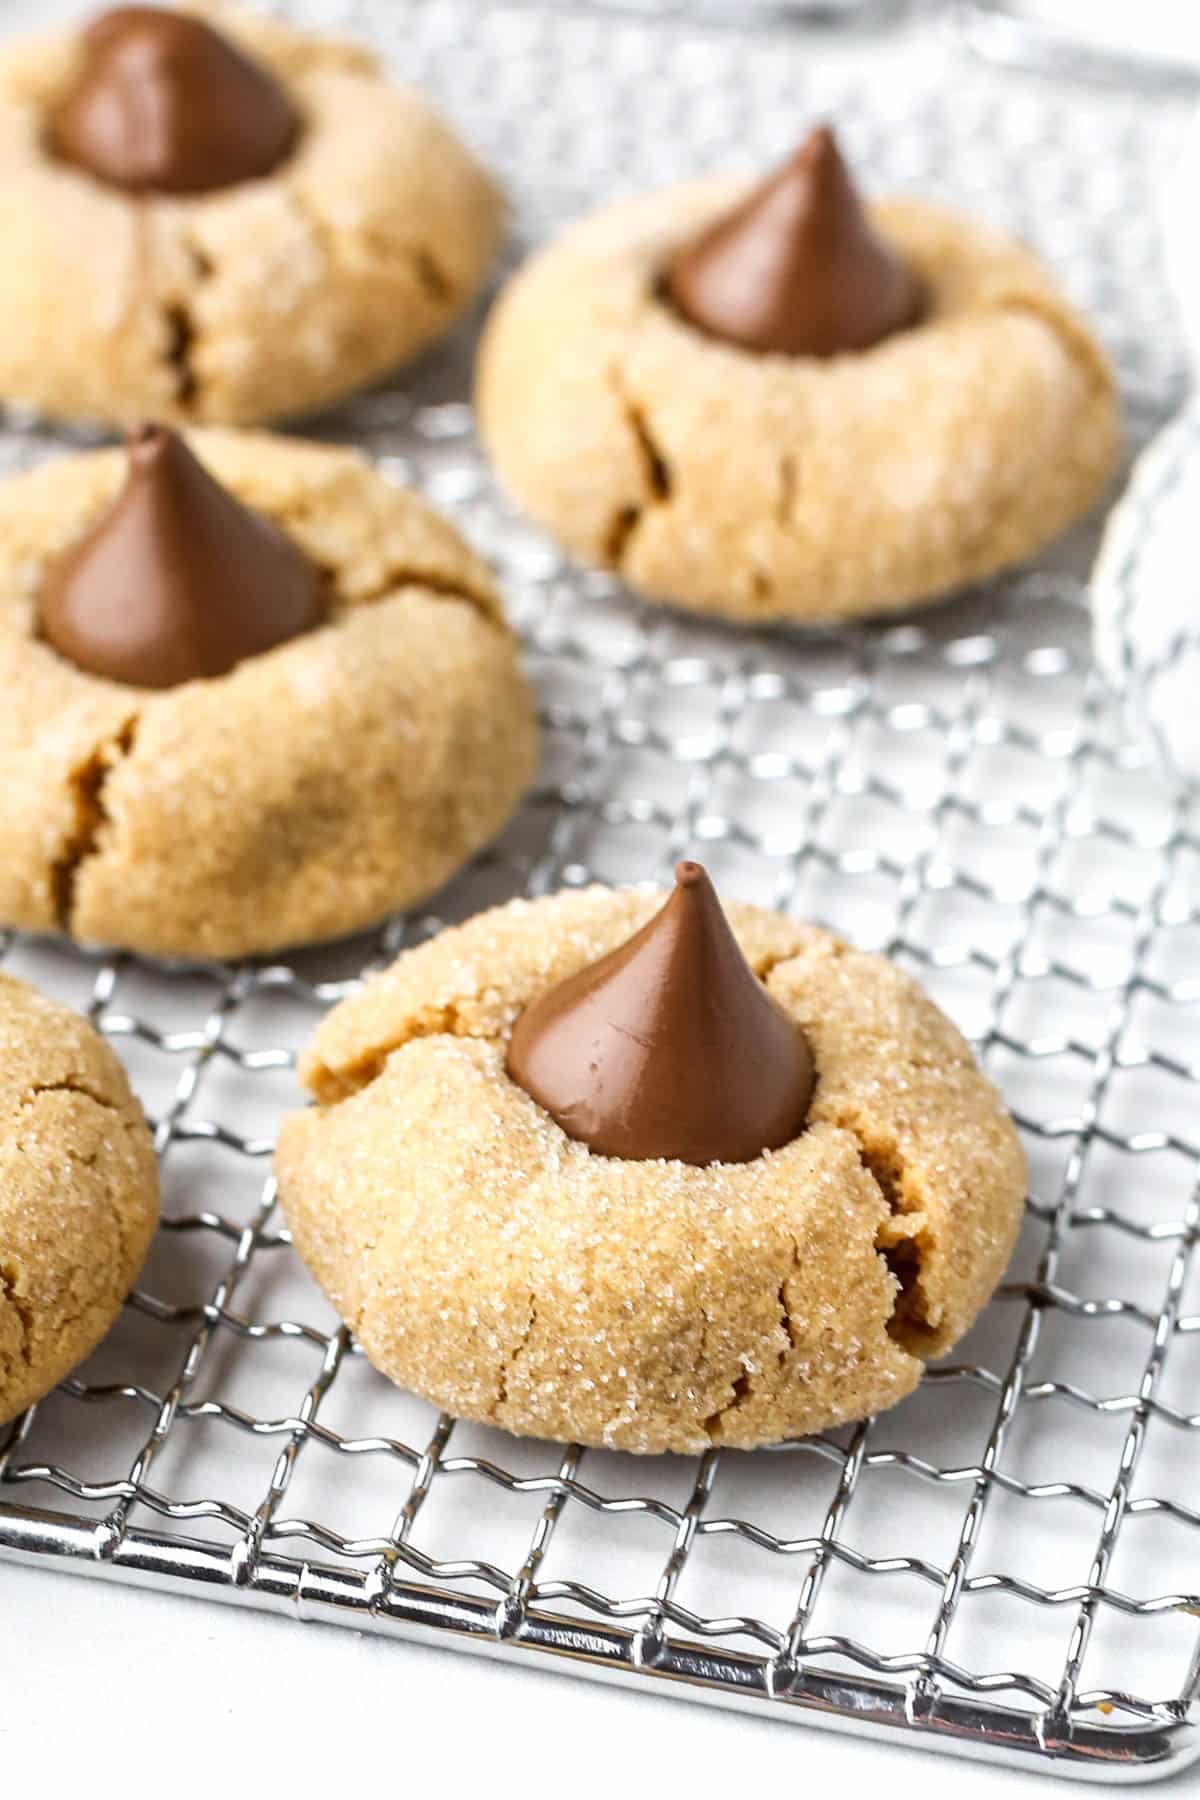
(177, 580)
(798, 267)
(165, 104)
(669, 1046)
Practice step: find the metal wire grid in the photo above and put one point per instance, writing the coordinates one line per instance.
(963, 731)
(1007, 1561)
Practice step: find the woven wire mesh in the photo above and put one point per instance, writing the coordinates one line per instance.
(954, 789)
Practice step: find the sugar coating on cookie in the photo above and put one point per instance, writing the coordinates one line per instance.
(508, 1273)
(264, 299)
(767, 486)
(78, 1192)
(306, 793)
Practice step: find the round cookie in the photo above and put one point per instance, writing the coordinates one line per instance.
(270, 297)
(764, 486)
(78, 1192)
(506, 1271)
(304, 794)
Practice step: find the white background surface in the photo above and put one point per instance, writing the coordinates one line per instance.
(103, 1686)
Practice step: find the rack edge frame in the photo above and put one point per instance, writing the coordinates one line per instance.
(865, 1707)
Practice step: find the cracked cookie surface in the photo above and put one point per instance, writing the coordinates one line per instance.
(78, 1192)
(766, 487)
(311, 790)
(504, 1271)
(259, 301)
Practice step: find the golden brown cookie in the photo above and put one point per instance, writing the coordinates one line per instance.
(301, 796)
(507, 1272)
(265, 298)
(769, 486)
(78, 1192)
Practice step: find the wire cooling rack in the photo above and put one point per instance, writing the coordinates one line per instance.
(1005, 1564)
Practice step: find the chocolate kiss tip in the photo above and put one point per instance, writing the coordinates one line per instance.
(177, 580)
(144, 441)
(797, 269)
(820, 157)
(669, 1046)
(165, 104)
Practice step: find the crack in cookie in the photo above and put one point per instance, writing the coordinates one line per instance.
(21, 1310)
(181, 336)
(743, 1389)
(511, 1360)
(745, 1386)
(430, 274)
(658, 482)
(789, 488)
(179, 317)
(331, 1086)
(401, 577)
(901, 1251)
(72, 1085)
(87, 783)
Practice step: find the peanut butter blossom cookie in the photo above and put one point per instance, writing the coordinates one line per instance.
(645, 1174)
(222, 222)
(777, 403)
(78, 1192)
(256, 695)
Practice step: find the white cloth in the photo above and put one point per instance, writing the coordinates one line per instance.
(1145, 599)
(1181, 231)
